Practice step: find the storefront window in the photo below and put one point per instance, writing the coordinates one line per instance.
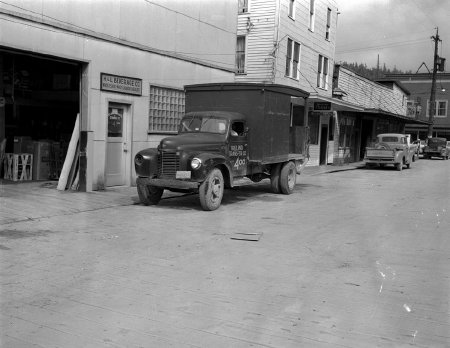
(346, 131)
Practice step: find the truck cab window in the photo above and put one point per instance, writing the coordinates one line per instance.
(237, 129)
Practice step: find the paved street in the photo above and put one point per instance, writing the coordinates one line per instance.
(354, 258)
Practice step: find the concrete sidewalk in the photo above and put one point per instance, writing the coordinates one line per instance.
(22, 201)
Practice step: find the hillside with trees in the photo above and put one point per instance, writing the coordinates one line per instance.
(372, 73)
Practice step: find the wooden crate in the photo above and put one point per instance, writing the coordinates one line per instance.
(18, 166)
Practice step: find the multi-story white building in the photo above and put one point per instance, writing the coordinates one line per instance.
(292, 42)
(120, 65)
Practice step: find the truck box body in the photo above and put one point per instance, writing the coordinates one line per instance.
(266, 109)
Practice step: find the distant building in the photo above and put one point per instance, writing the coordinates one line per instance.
(419, 86)
(120, 65)
(382, 108)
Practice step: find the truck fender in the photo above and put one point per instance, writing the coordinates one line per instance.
(210, 161)
(146, 162)
(398, 157)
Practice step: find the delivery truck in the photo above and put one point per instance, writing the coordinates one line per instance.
(229, 131)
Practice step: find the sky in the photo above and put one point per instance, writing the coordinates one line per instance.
(399, 31)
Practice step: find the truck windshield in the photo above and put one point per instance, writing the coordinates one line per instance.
(203, 124)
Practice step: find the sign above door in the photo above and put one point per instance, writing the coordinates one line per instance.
(120, 84)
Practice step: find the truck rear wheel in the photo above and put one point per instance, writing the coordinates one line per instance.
(211, 190)
(149, 195)
(275, 177)
(287, 178)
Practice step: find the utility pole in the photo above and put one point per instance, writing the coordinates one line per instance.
(433, 83)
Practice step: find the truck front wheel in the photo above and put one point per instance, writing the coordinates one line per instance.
(211, 190)
(287, 178)
(399, 166)
(149, 195)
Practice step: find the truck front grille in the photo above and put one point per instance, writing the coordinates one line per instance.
(168, 164)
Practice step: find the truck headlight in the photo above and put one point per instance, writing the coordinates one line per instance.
(139, 159)
(196, 163)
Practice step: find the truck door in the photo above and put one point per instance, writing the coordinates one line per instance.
(237, 148)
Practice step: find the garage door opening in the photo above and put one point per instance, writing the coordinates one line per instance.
(40, 102)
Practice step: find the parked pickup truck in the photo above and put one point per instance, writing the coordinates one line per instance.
(391, 148)
(230, 131)
(436, 147)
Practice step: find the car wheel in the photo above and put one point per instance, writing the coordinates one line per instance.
(149, 195)
(399, 166)
(211, 190)
(288, 176)
(408, 165)
(275, 178)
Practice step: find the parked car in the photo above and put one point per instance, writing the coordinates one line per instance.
(391, 148)
(437, 147)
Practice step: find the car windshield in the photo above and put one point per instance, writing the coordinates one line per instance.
(203, 124)
(389, 139)
(436, 141)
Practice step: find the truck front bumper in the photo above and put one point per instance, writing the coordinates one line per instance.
(168, 183)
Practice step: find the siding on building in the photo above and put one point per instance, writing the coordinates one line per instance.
(267, 42)
(371, 95)
(258, 25)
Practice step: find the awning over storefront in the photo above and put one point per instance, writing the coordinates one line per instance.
(389, 115)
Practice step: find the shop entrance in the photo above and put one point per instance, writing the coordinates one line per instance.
(366, 137)
(117, 154)
(41, 98)
(323, 144)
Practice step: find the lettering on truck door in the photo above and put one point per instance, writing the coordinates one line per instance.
(237, 149)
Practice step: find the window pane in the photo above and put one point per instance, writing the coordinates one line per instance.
(243, 6)
(291, 8)
(319, 70)
(296, 59)
(288, 57)
(240, 54)
(166, 107)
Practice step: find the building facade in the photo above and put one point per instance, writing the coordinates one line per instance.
(292, 42)
(419, 86)
(383, 107)
(119, 65)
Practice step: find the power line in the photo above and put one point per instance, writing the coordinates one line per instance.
(390, 45)
(190, 17)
